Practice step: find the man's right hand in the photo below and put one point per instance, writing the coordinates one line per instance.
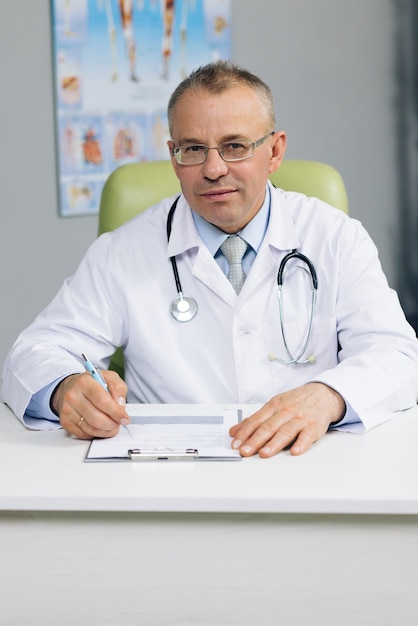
(86, 410)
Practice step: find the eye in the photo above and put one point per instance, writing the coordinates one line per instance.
(193, 149)
(233, 146)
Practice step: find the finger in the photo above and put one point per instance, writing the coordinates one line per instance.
(270, 438)
(296, 434)
(242, 431)
(88, 410)
(101, 402)
(306, 439)
(79, 431)
(118, 390)
(117, 387)
(101, 419)
(83, 429)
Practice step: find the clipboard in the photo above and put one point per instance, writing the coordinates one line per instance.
(166, 433)
(164, 454)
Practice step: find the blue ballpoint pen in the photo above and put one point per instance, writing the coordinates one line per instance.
(92, 369)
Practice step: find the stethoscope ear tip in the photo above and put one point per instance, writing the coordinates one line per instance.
(310, 360)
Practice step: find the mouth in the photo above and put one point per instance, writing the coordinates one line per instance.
(218, 194)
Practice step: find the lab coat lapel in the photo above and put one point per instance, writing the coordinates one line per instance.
(184, 236)
(185, 239)
(281, 233)
(280, 238)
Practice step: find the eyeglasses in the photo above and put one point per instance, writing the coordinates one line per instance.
(196, 154)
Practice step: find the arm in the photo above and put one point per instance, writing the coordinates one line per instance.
(376, 352)
(84, 316)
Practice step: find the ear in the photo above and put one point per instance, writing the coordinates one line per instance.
(278, 150)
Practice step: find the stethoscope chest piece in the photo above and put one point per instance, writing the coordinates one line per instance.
(183, 308)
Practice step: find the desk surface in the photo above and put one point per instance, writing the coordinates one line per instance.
(374, 473)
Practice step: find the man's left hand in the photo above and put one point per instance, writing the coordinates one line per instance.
(295, 418)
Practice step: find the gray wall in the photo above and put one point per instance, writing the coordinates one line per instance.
(330, 64)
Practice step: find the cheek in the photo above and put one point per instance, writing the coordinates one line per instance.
(254, 182)
(186, 177)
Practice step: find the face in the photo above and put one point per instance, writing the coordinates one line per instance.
(226, 194)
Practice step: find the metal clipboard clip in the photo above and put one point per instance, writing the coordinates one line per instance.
(163, 454)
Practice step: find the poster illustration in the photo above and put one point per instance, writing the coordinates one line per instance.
(116, 63)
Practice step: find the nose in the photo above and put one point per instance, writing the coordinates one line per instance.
(214, 167)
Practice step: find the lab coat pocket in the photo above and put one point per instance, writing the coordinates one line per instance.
(314, 349)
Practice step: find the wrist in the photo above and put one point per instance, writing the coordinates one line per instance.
(335, 406)
(340, 406)
(56, 395)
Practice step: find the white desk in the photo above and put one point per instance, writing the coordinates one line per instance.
(328, 538)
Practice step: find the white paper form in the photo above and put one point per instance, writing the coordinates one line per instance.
(170, 432)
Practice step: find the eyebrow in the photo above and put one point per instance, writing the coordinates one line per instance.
(191, 140)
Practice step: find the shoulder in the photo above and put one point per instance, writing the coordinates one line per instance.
(301, 205)
(147, 225)
(305, 211)
(313, 220)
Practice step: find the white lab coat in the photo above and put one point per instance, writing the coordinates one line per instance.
(121, 292)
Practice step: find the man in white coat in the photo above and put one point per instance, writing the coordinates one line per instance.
(360, 366)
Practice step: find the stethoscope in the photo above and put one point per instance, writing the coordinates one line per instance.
(184, 308)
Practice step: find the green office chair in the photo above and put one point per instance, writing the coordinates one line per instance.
(132, 188)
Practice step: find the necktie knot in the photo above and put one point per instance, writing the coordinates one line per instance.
(234, 248)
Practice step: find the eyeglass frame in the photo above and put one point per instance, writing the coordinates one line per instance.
(176, 152)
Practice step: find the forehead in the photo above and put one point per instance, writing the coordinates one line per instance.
(202, 114)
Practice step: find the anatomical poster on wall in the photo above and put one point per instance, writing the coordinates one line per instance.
(116, 63)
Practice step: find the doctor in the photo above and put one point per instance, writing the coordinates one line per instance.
(350, 358)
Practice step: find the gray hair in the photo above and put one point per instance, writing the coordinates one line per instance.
(218, 77)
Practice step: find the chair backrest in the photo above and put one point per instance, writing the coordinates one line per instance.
(134, 187)
(314, 179)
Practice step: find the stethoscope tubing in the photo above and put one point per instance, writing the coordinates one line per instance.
(173, 258)
(296, 359)
(294, 254)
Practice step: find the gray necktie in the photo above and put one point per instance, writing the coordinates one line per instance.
(233, 248)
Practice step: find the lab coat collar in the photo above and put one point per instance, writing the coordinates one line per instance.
(280, 236)
(281, 233)
(185, 240)
(184, 235)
